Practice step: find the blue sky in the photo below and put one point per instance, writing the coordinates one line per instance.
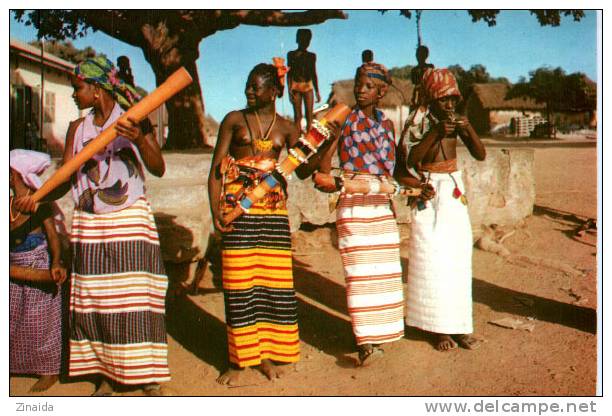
(512, 48)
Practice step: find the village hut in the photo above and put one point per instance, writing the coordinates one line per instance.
(490, 112)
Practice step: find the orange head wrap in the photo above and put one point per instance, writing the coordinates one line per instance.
(438, 83)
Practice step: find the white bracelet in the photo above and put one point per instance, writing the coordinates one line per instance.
(374, 187)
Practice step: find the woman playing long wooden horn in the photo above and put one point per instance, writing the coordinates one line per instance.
(118, 282)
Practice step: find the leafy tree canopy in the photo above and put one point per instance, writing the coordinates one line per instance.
(557, 90)
(66, 50)
(545, 17)
(465, 78)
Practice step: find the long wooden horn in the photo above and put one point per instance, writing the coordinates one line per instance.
(173, 84)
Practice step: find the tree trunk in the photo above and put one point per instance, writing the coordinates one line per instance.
(166, 53)
(186, 128)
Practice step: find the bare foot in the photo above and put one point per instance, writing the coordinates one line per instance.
(468, 342)
(43, 383)
(104, 389)
(153, 390)
(230, 377)
(270, 370)
(369, 353)
(445, 343)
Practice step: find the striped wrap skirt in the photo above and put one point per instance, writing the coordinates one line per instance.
(260, 302)
(368, 240)
(117, 298)
(35, 318)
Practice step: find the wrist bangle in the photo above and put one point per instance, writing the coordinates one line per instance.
(374, 187)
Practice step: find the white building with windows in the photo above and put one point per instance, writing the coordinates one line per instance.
(33, 75)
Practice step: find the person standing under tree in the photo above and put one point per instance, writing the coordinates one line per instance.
(416, 75)
(302, 79)
(125, 70)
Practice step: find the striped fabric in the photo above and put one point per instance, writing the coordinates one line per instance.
(35, 320)
(260, 303)
(368, 239)
(440, 271)
(117, 301)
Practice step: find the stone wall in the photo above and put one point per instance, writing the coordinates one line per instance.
(500, 190)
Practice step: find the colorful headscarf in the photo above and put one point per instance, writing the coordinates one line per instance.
(438, 83)
(376, 71)
(29, 164)
(102, 71)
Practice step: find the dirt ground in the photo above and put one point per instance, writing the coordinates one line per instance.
(557, 357)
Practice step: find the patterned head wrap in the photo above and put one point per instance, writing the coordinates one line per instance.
(438, 83)
(101, 71)
(377, 72)
(29, 164)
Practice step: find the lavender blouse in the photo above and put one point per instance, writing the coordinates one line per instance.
(112, 179)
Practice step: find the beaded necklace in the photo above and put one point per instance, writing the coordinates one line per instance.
(262, 143)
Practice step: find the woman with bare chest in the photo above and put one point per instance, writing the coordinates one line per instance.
(260, 303)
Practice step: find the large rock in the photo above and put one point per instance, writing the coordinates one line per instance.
(501, 189)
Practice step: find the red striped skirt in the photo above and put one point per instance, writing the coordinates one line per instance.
(117, 297)
(368, 239)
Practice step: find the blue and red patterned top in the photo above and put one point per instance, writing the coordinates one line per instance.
(366, 146)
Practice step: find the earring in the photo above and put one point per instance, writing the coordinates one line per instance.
(96, 96)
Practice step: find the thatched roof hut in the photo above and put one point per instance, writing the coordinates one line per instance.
(492, 96)
(398, 94)
(488, 109)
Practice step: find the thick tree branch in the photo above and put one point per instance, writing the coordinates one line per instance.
(279, 18)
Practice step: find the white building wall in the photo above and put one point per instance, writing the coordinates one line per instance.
(56, 82)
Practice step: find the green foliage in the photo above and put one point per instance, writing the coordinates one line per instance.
(465, 78)
(402, 72)
(54, 23)
(560, 92)
(66, 50)
(477, 74)
(489, 16)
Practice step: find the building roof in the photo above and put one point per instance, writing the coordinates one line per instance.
(492, 96)
(399, 93)
(33, 54)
